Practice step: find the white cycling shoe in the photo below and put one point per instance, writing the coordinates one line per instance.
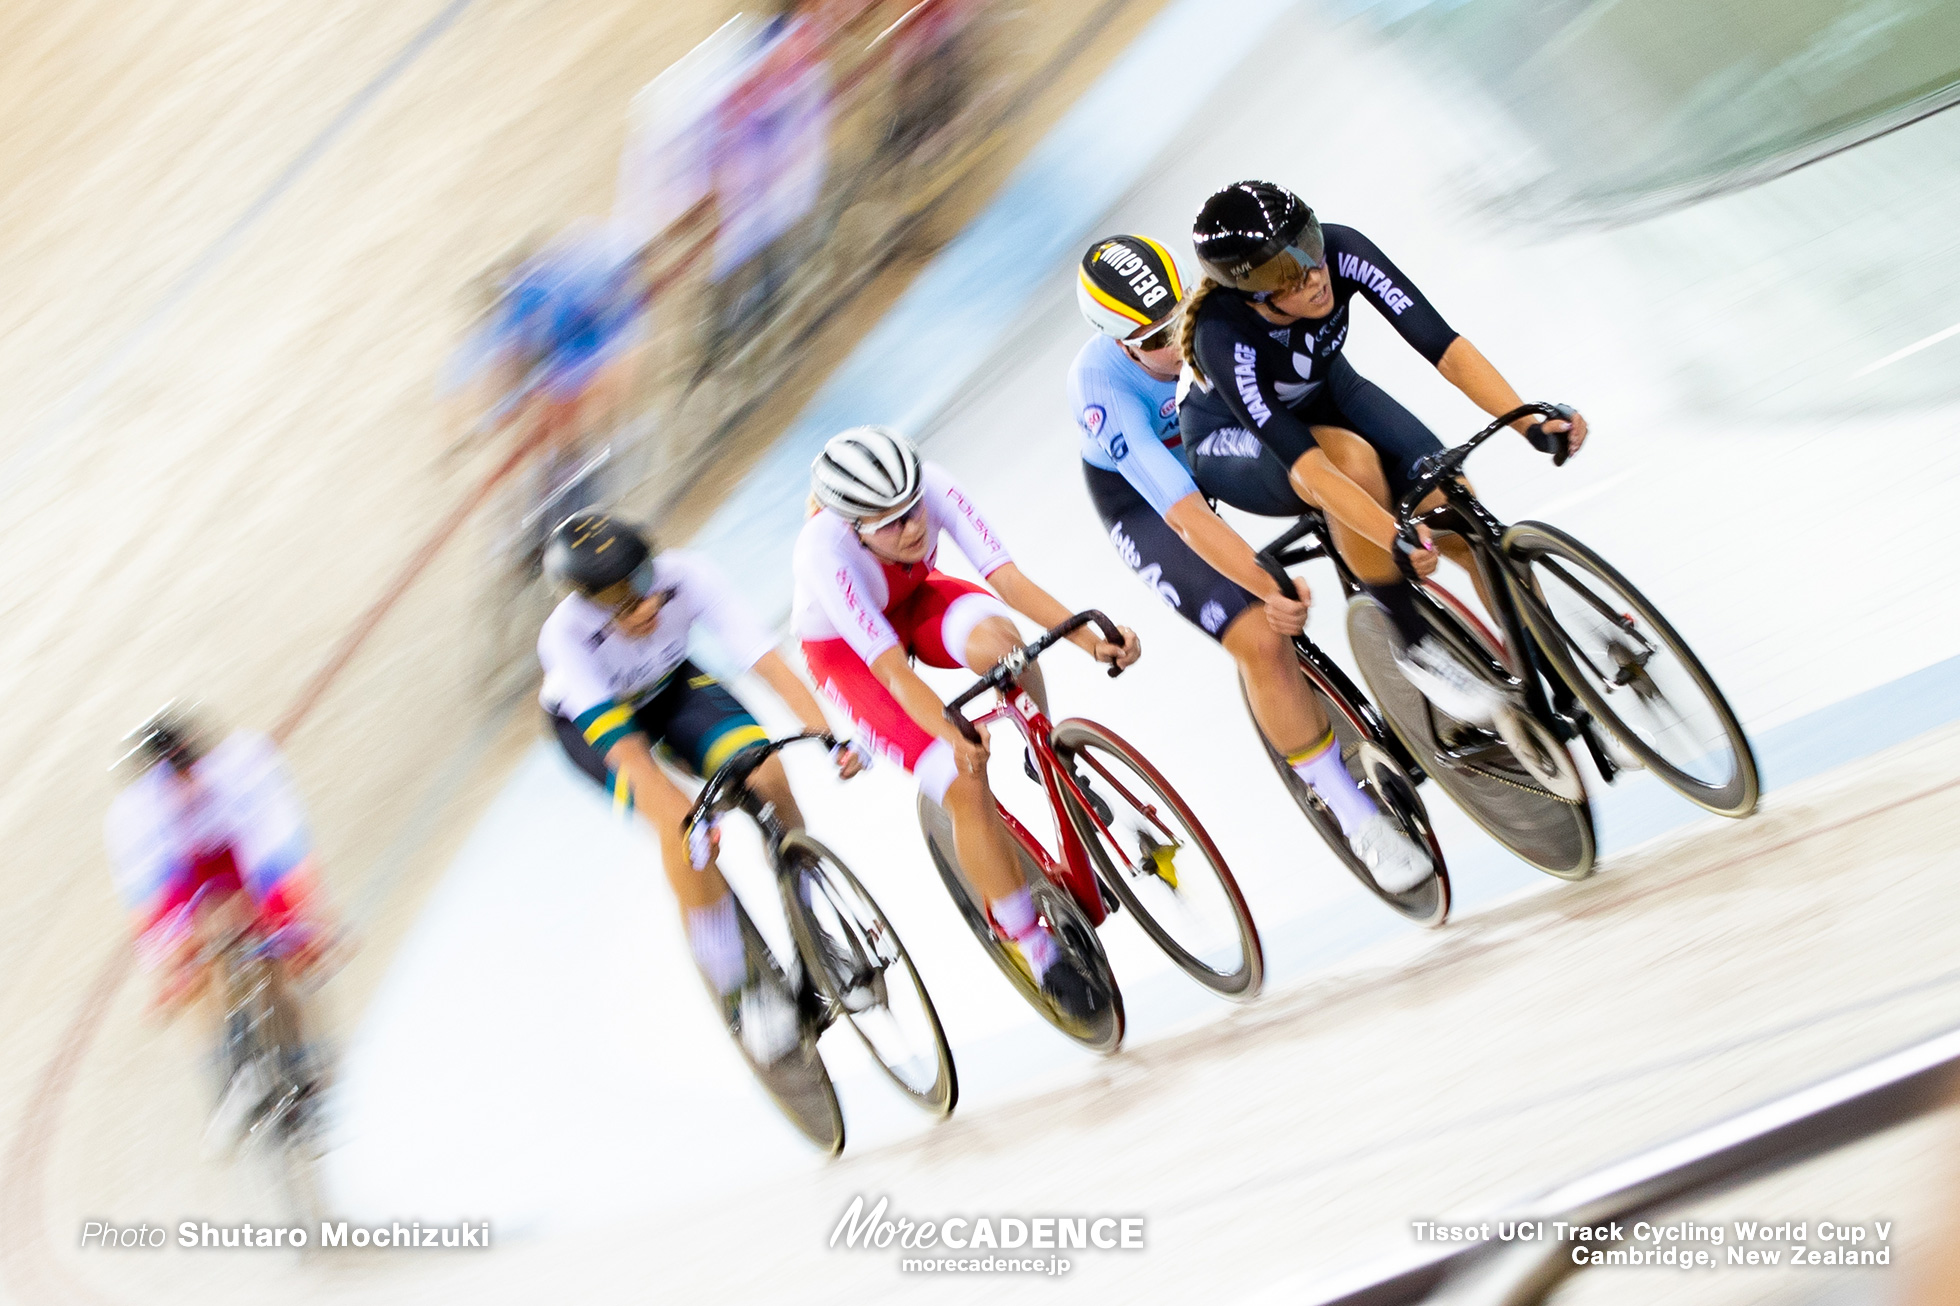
(767, 1022)
(1393, 859)
(1448, 684)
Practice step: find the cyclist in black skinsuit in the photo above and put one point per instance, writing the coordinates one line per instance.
(1277, 418)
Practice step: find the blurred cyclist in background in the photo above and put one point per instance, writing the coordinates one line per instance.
(209, 840)
(557, 344)
(1123, 390)
(869, 600)
(556, 356)
(618, 683)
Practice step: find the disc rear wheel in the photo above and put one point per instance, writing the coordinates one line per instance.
(1375, 769)
(1487, 781)
(797, 1081)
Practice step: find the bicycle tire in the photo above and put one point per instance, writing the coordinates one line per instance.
(1552, 833)
(803, 855)
(1243, 981)
(1370, 759)
(281, 1132)
(1528, 540)
(798, 1083)
(1073, 932)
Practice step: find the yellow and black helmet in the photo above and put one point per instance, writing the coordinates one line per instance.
(1129, 287)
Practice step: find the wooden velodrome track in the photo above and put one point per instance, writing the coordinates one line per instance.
(219, 430)
(234, 243)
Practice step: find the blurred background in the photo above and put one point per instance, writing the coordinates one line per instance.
(266, 440)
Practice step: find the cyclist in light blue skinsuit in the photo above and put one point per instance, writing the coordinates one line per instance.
(1123, 392)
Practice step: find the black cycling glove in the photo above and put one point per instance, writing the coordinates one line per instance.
(1556, 443)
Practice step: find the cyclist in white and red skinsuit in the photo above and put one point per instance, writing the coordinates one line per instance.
(868, 600)
(200, 824)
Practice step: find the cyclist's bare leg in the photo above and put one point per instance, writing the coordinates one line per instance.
(771, 784)
(985, 848)
(665, 808)
(1343, 456)
(992, 640)
(1286, 710)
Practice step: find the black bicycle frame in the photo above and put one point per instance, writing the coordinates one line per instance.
(728, 788)
(1461, 513)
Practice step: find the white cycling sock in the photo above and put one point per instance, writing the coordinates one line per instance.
(1321, 767)
(1016, 917)
(715, 939)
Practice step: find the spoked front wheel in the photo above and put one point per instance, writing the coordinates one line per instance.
(1159, 862)
(797, 1080)
(1637, 677)
(1102, 1032)
(865, 973)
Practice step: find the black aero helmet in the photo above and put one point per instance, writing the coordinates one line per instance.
(591, 550)
(1257, 237)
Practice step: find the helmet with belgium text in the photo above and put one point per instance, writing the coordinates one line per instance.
(1129, 287)
(1257, 238)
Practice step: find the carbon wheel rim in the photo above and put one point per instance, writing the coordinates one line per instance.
(1632, 670)
(900, 1028)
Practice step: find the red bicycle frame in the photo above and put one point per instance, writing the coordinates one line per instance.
(1073, 870)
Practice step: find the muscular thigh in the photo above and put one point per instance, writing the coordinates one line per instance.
(1398, 437)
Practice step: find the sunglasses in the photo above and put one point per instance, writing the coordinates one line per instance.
(642, 588)
(1162, 338)
(884, 524)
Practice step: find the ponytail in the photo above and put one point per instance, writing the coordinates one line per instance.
(1187, 330)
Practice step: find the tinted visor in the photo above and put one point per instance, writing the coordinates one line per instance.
(1287, 268)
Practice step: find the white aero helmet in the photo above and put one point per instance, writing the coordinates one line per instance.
(1128, 287)
(867, 471)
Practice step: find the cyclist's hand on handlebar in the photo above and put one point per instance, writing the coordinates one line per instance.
(851, 757)
(971, 757)
(1288, 617)
(703, 841)
(1119, 655)
(1555, 433)
(1419, 560)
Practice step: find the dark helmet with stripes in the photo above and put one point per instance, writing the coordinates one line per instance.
(867, 472)
(592, 550)
(1129, 287)
(173, 734)
(1257, 238)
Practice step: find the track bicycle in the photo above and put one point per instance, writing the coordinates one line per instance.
(260, 1047)
(1124, 841)
(848, 965)
(1380, 765)
(1579, 654)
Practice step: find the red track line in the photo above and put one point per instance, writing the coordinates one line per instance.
(323, 679)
